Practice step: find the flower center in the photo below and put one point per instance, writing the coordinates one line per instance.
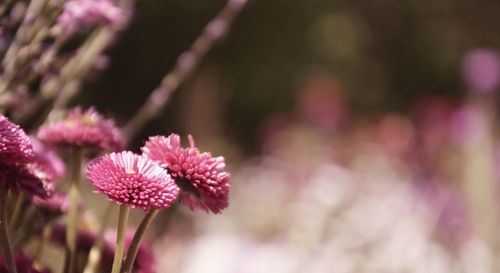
(129, 171)
(89, 120)
(185, 185)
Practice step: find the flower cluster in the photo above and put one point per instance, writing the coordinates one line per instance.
(152, 181)
(48, 50)
(165, 169)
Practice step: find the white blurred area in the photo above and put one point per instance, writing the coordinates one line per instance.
(338, 193)
(364, 217)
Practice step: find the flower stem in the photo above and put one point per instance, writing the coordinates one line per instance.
(41, 244)
(136, 241)
(96, 251)
(120, 238)
(74, 195)
(4, 234)
(17, 211)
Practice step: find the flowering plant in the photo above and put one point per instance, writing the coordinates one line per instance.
(38, 73)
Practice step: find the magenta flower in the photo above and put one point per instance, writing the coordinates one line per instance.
(84, 129)
(128, 178)
(47, 164)
(80, 15)
(21, 177)
(15, 146)
(200, 176)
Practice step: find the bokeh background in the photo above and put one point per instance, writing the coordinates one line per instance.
(358, 138)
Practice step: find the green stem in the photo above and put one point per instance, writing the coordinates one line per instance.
(136, 241)
(17, 211)
(4, 234)
(25, 229)
(120, 238)
(74, 195)
(96, 251)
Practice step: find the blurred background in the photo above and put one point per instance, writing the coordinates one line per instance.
(361, 135)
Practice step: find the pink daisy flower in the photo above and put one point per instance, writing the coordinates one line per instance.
(128, 178)
(204, 184)
(15, 146)
(84, 129)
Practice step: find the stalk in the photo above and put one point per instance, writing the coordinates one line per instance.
(120, 238)
(4, 234)
(136, 241)
(74, 195)
(96, 251)
(17, 210)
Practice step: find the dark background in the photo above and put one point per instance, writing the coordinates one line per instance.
(386, 53)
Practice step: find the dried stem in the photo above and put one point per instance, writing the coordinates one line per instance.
(186, 64)
(11, 59)
(74, 70)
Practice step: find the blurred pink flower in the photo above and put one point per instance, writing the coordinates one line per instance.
(396, 134)
(47, 164)
(15, 146)
(84, 129)
(79, 15)
(481, 70)
(21, 177)
(468, 126)
(55, 205)
(322, 102)
(134, 180)
(204, 184)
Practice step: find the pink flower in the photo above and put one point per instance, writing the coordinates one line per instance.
(80, 15)
(128, 178)
(200, 176)
(21, 177)
(55, 205)
(84, 129)
(481, 70)
(15, 146)
(47, 164)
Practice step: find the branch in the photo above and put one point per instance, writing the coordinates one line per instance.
(186, 64)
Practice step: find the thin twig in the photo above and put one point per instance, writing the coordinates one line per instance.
(186, 64)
